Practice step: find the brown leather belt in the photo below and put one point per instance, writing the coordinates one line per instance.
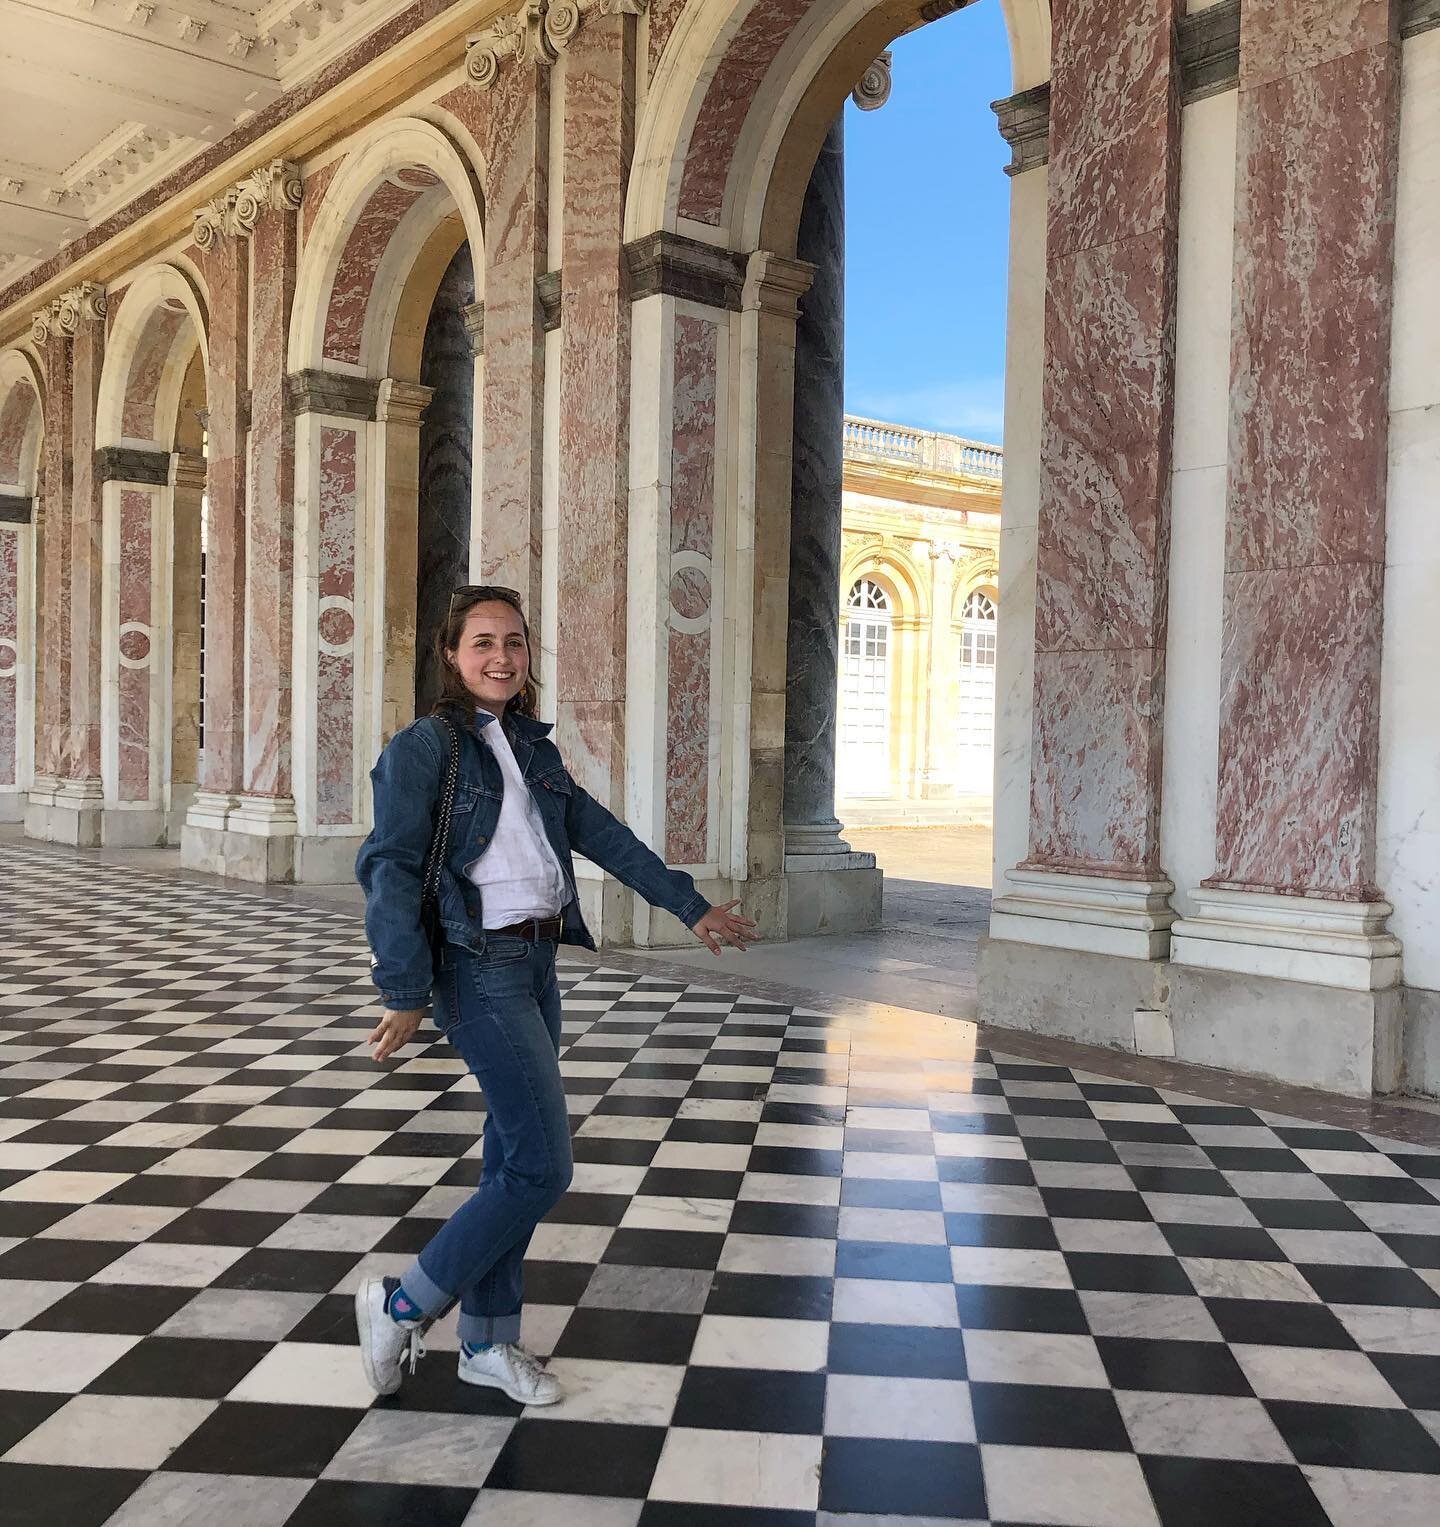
(538, 930)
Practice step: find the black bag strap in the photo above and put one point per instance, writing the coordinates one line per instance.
(440, 837)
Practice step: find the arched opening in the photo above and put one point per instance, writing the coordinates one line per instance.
(385, 363)
(866, 684)
(975, 740)
(22, 429)
(735, 147)
(151, 448)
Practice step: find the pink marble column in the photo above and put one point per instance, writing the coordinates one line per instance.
(511, 120)
(594, 405)
(226, 266)
(10, 653)
(1305, 522)
(692, 539)
(86, 561)
(1105, 448)
(335, 677)
(52, 661)
(271, 533)
(136, 773)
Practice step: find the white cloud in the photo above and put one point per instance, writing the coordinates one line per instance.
(974, 408)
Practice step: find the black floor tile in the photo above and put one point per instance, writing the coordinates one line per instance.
(883, 1478)
(1027, 1232)
(1179, 1367)
(331, 1319)
(628, 1336)
(22, 1411)
(665, 1248)
(283, 1270)
(664, 1513)
(1180, 1179)
(1234, 1242)
(1279, 1323)
(178, 1367)
(128, 1309)
(686, 1182)
(366, 1504)
(598, 1148)
(898, 1261)
(1415, 1378)
(573, 1458)
(912, 1352)
(786, 1160)
(988, 1307)
(57, 1261)
(751, 1400)
(303, 1166)
(1415, 1250)
(1304, 1214)
(32, 1494)
(1207, 1492)
(1355, 1437)
(378, 1199)
(221, 1227)
(163, 1190)
(1121, 1273)
(241, 1438)
(771, 1296)
(990, 1169)
(880, 1193)
(1094, 1203)
(1057, 1148)
(1043, 1415)
(1371, 1285)
(1377, 1190)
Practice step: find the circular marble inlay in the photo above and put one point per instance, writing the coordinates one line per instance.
(336, 623)
(9, 658)
(690, 592)
(134, 644)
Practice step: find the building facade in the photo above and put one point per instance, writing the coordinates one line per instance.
(246, 347)
(919, 594)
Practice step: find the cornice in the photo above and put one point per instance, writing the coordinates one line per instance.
(674, 266)
(132, 465)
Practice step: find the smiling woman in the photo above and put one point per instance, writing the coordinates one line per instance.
(469, 889)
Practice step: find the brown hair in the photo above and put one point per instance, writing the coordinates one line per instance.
(453, 693)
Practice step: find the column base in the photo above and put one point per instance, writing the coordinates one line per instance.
(13, 805)
(133, 826)
(815, 839)
(66, 811)
(1309, 1036)
(832, 893)
(1127, 918)
(1291, 938)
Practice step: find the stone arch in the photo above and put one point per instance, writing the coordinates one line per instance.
(743, 96)
(982, 574)
(895, 570)
(22, 429)
(393, 215)
(161, 325)
(22, 423)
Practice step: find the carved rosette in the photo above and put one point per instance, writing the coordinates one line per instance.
(538, 32)
(874, 88)
(233, 214)
(61, 317)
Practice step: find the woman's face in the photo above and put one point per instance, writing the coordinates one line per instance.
(492, 658)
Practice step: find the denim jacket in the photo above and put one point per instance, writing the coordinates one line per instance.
(407, 782)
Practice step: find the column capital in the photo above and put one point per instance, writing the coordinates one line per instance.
(332, 392)
(132, 465)
(673, 266)
(537, 32)
(775, 284)
(276, 186)
(61, 318)
(873, 89)
(474, 317)
(400, 402)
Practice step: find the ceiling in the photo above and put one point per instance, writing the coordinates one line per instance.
(100, 98)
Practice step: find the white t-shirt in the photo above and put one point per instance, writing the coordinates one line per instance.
(518, 874)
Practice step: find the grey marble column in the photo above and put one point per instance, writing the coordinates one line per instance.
(812, 654)
(443, 553)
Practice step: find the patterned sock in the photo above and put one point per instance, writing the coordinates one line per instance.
(399, 1306)
(470, 1348)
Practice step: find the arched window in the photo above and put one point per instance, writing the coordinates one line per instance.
(863, 755)
(976, 740)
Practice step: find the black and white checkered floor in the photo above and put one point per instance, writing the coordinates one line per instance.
(809, 1264)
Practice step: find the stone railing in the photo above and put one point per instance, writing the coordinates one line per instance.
(872, 438)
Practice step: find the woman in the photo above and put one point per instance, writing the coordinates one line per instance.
(506, 899)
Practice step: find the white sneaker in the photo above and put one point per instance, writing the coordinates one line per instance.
(384, 1343)
(509, 1368)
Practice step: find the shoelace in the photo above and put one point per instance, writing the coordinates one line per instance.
(527, 1365)
(416, 1346)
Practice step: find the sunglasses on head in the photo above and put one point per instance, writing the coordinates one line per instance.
(478, 593)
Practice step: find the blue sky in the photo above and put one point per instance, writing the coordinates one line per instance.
(927, 210)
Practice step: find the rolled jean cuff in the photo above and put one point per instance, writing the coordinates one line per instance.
(486, 1330)
(422, 1289)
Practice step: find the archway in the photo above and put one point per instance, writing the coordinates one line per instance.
(741, 103)
(22, 428)
(385, 364)
(150, 456)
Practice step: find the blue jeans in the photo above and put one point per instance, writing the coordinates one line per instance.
(501, 1010)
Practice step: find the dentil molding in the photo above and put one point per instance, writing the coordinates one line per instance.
(62, 317)
(233, 214)
(537, 32)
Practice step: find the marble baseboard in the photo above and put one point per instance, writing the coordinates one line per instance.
(13, 804)
(58, 821)
(1420, 1062)
(1289, 1031)
(133, 827)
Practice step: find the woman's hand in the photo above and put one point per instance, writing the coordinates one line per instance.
(394, 1031)
(721, 925)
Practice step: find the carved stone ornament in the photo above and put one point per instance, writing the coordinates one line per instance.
(874, 88)
(63, 316)
(233, 214)
(536, 33)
